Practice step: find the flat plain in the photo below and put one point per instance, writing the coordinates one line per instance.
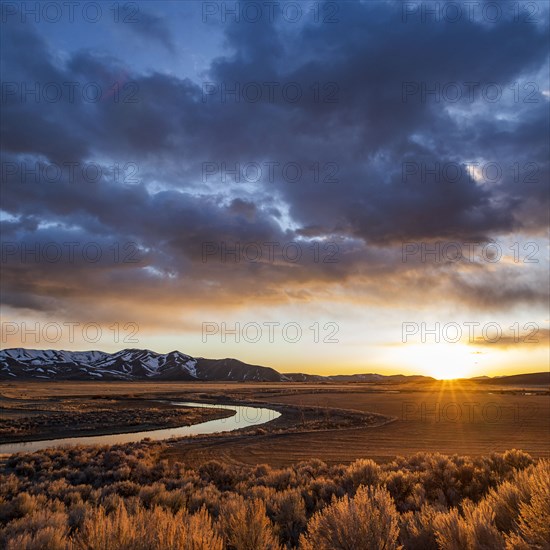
(446, 417)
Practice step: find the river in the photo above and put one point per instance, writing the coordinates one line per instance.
(244, 417)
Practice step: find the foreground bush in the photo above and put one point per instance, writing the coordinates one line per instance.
(128, 497)
(520, 508)
(154, 529)
(245, 525)
(367, 521)
(533, 521)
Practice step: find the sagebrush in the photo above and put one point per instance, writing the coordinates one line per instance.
(128, 497)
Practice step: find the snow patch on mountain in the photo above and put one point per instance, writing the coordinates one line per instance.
(127, 364)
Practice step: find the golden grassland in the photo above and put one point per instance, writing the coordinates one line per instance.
(362, 466)
(447, 417)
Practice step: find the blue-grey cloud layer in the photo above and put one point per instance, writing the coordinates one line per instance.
(164, 125)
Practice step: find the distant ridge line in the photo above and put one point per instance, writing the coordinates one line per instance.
(144, 364)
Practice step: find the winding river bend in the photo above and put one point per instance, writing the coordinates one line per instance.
(244, 417)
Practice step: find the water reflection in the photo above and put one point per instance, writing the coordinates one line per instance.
(244, 417)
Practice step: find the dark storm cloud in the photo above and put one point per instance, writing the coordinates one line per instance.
(152, 27)
(168, 128)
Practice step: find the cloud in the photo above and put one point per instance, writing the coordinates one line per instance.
(530, 336)
(153, 136)
(152, 27)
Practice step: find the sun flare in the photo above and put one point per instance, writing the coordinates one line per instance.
(442, 361)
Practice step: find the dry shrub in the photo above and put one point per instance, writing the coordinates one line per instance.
(288, 513)
(152, 495)
(482, 531)
(320, 492)
(534, 513)
(42, 529)
(126, 488)
(450, 532)
(126, 497)
(369, 521)
(505, 501)
(417, 529)
(261, 492)
(245, 525)
(280, 479)
(260, 470)
(174, 501)
(219, 474)
(77, 515)
(204, 497)
(47, 538)
(517, 459)
(361, 472)
(25, 504)
(402, 487)
(19, 506)
(515, 515)
(312, 468)
(9, 485)
(154, 529)
(474, 530)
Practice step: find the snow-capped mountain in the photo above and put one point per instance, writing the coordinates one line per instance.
(143, 364)
(127, 364)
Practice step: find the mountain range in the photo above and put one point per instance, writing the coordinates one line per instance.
(127, 364)
(143, 364)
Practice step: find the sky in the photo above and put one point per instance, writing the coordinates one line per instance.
(315, 186)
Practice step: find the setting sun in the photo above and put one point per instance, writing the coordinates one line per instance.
(442, 361)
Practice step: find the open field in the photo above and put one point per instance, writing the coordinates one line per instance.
(443, 417)
(466, 422)
(422, 461)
